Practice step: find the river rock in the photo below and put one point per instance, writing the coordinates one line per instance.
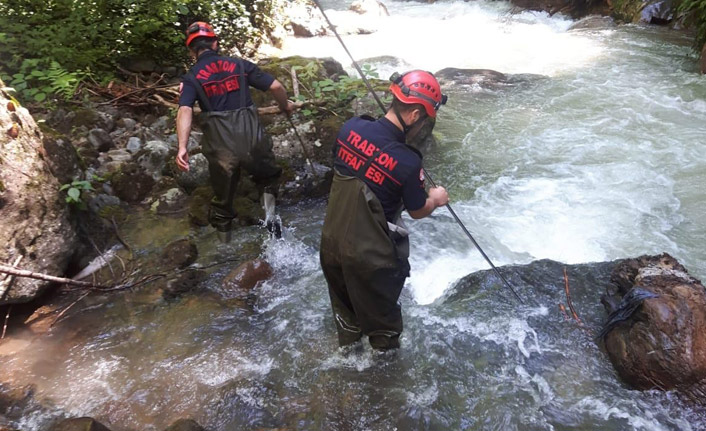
(185, 425)
(247, 275)
(182, 283)
(62, 158)
(153, 158)
(484, 78)
(199, 205)
(660, 341)
(372, 7)
(134, 144)
(127, 123)
(173, 201)
(131, 184)
(196, 176)
(180, 253)
(100, 139)
(593, 22)
(305, 20)
(658, 12)
(102, 201)
(79, 424)
(35, 223)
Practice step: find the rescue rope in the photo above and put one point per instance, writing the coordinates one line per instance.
(426, 174)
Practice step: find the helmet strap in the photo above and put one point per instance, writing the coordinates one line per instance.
(406, 128)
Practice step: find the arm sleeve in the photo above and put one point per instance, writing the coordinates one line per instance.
(187, 93)
(414, 196)
(256, 77)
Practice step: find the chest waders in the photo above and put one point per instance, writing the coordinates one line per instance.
(231, 140)
(364, 266)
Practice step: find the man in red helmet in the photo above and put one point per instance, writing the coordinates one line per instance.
(232, 134)
(364, 245)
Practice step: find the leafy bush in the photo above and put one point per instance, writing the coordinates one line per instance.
(33, 82)
(66, 39)
(331, 95)
(696, 10)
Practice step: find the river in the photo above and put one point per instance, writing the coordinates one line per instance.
(598, 154)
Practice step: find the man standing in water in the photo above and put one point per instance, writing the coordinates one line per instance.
(232, 133)
(364, 245)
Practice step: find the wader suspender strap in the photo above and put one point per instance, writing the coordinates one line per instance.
(201, 94)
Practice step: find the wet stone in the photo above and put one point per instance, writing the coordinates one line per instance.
(183, 283)
(79, 424)
(180, 253)
(173, 201)
(185, 425)
(134, 144)
(247, 275)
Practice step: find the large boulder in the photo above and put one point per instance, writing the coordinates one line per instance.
(62, 158)
(79, 424)
(656, 336)
(35, 231)
(658, 12)
(574, 8)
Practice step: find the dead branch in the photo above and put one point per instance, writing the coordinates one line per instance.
(38, 276)
(7, 281)
(69, 307)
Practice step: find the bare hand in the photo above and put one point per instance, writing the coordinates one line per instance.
(439, 196)
(182, 160)
(288, 109)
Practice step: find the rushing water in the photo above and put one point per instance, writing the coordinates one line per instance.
(597, 156)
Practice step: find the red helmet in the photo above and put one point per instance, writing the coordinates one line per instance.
(199, 29)
(418, 86)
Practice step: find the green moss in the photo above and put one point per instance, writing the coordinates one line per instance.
(110, 212)
(86, 118)
(627, 10)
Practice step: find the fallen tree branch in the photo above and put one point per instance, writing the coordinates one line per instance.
(7, 281)
(38, 276)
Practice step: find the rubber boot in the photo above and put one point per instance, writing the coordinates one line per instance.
(225, 236)
(272, 221)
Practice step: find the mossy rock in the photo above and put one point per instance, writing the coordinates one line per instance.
(180, 254)
(198, 206)
(131, 184)
(85, 117)
(628, 10)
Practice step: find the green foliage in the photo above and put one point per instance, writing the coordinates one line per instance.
(327, 94)
(63, 39)
(74, 190)
(37, 82)
(696, 10)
